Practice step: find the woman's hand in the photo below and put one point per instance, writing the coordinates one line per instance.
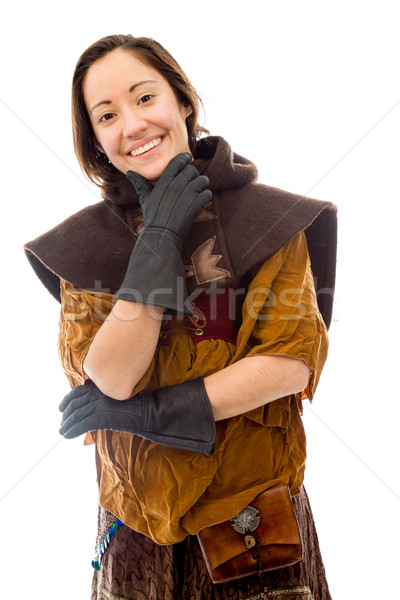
(155, 273)
(178, 416)
(176, 199)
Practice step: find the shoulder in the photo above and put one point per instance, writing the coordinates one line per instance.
(272, 203)
(81, 222)
(259, 221)
(257, 218)
(78, 248)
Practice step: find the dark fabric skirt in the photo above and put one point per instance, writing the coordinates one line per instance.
(135, 568)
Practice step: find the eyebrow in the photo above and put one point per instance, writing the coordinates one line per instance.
(131, 89)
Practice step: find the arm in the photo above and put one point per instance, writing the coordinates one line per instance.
(183, 415)
(287, 335)
(126, 361)
(254, 381)
(123, 348)
(125, 344)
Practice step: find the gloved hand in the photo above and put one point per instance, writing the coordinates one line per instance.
(178, 416)
(155, 273)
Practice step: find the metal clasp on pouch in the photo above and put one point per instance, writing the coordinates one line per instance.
(247, 520)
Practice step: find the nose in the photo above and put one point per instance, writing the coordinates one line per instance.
(133, 123)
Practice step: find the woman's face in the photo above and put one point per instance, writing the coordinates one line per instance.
(137, 120)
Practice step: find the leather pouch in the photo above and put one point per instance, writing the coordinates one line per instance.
(264, 536)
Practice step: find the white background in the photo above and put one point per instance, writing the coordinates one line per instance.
(310, 91)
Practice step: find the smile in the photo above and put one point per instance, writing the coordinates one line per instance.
(146, 147)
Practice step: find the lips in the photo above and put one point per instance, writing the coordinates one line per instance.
(146, 147)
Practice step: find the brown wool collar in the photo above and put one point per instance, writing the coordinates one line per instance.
(245, 224)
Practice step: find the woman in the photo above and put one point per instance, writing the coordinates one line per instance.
(188, 305)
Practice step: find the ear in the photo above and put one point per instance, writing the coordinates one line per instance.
(187, 110)
(98, 146)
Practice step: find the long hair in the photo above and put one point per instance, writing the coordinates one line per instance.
(95, 163)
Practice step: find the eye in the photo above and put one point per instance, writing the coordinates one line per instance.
(106, 117)
(145, 98)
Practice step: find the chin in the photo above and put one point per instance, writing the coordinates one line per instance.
(152, 177)
(153, 174)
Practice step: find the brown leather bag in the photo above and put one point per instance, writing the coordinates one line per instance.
(263, 537)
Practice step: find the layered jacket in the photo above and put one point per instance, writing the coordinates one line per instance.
(264, 259)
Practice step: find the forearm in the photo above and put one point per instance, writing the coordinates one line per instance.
(253, 382)
(123, 348)
(125, 344)
(183, 415)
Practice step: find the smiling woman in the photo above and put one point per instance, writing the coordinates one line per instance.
(195, 303)
(149, 56)
(140, 125)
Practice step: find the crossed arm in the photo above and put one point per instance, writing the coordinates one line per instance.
(124, 346)
(183, 415)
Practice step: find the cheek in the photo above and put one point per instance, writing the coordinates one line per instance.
(105, 141)
(178, 125)
(172, 119)
(109, 144)
(166, 118)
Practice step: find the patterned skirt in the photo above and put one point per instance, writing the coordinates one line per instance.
(133, 567)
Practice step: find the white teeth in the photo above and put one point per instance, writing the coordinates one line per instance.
(146, 147)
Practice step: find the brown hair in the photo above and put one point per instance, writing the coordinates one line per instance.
(94, 163)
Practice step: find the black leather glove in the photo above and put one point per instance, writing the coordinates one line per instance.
(155, 273)
(178, 416)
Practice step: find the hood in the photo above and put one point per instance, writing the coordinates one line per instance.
(213, 157)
